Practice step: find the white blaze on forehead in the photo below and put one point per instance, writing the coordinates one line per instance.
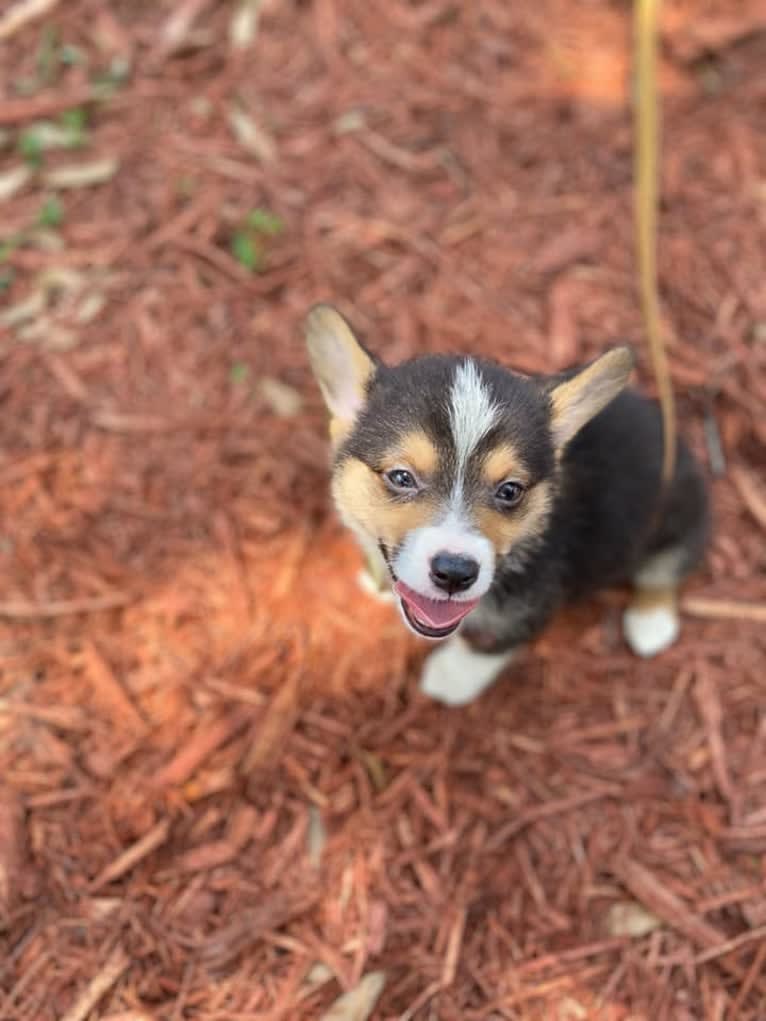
(472, 414)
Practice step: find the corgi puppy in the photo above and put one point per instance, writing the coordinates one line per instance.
(490, 499)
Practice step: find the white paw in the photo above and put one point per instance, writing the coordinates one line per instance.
(370, 586)
(652, 630)
(455, 675)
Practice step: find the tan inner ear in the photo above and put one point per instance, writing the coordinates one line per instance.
(338, 431)
(581, 398)
(341, 365)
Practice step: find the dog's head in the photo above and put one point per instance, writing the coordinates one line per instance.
(447, 464)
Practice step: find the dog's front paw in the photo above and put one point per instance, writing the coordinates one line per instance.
(455, 675)
(372, 587)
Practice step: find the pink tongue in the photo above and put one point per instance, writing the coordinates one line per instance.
(437, 613)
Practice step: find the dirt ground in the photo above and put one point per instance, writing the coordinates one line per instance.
(221, 795)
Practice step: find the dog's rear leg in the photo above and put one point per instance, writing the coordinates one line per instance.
(651, 622)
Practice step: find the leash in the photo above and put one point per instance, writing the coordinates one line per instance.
(646, 173)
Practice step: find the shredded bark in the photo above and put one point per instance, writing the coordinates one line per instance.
(222, 793)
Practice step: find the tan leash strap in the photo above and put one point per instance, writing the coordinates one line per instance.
(647, 131)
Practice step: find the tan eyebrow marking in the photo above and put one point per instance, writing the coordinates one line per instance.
(414, 450)
(502, 463)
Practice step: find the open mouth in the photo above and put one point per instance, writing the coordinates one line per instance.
(432, 618)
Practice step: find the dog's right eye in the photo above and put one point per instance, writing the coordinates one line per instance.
(399, 479)
(510, 494)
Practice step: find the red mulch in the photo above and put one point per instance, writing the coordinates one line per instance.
(222, 796)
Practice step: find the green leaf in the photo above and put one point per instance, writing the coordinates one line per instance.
(109, 80)
(31, 147)
(52, 212)
(7, 248)
(239, 372)
(71, 55)
(6, 279)
(264, 222)
(74, 123)
(246, 250)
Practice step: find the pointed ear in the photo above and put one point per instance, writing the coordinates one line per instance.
(579, 399)
(341, 365)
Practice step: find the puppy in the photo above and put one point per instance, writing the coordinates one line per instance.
(491, 499)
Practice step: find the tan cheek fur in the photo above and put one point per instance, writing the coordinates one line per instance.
(361, 497)
(506, 530)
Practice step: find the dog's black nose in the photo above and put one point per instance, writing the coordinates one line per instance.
(453, 573)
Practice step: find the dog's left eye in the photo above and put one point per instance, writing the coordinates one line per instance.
(509, 494)
(400, 479)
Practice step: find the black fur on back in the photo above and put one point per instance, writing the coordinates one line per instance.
(610, 514)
